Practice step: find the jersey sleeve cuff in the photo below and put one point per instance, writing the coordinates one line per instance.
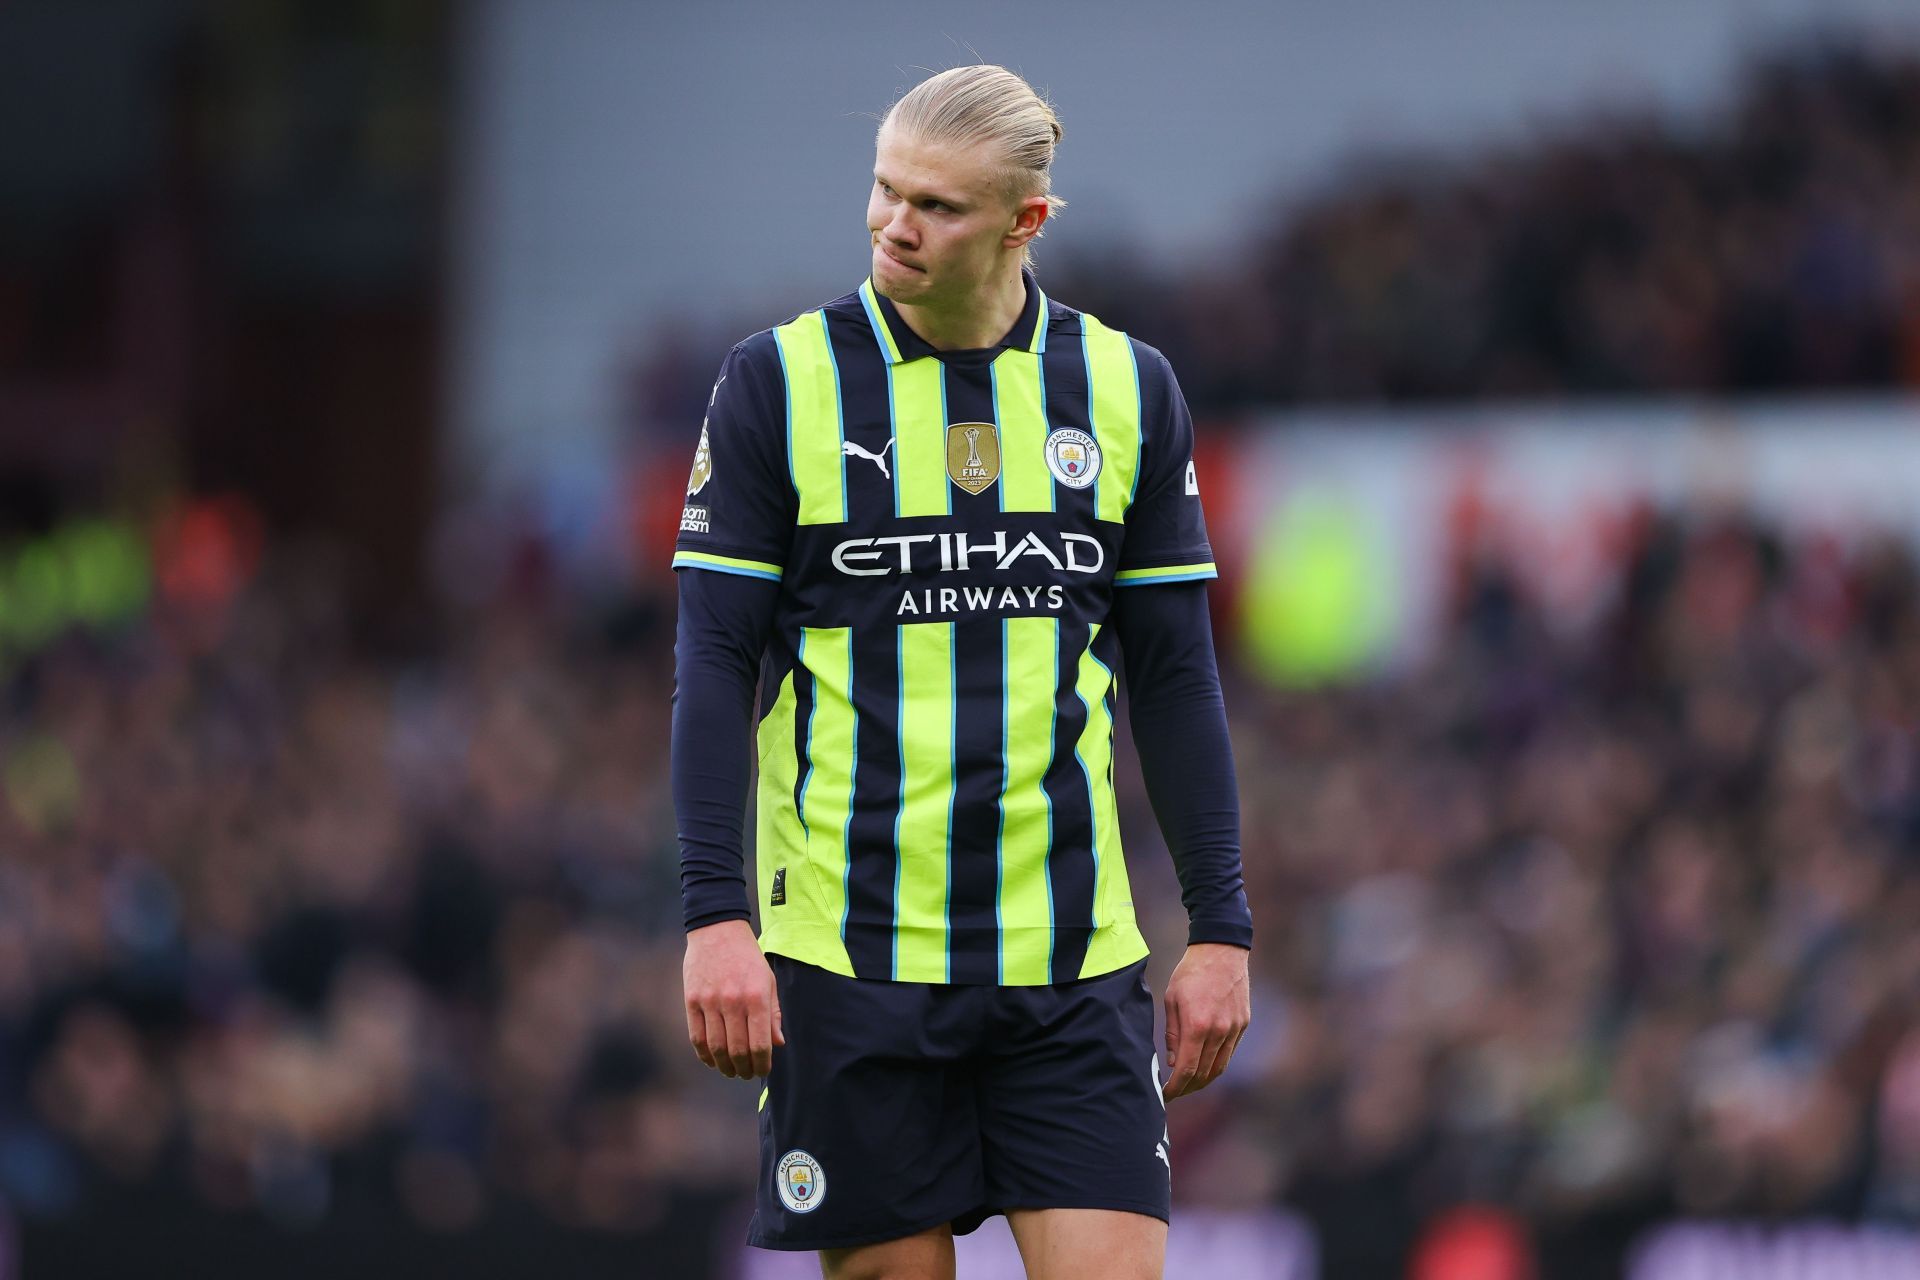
(1166, 573)
(1233, 933)
(727, 564)
(701, 919)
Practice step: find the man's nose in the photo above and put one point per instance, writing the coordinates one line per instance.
(900, 227)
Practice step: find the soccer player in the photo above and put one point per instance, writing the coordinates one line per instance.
(928, 522)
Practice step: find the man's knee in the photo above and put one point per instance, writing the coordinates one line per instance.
(927, 1256)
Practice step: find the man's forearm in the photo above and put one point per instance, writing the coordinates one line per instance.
(718, 641)
(1179, 724)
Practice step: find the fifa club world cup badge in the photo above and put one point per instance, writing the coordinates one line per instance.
(801, 1182)
(973, 455)
(1074, 457)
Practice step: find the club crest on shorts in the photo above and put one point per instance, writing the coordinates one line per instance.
(1073, 456)
(973, 455)
(800, 1181)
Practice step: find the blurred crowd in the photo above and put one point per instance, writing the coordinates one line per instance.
(1775, 244)
(286, 926)
(1600, 928)
(1596, 927)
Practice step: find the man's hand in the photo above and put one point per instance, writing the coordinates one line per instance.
(1209, 1005)
(733, 1007)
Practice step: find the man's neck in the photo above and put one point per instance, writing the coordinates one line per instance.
(981, 321)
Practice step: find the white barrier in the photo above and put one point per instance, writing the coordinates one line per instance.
(1219, 1246)
(1551, 486)
(1810, 1251)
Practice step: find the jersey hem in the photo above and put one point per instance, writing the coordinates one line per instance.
(825, 949)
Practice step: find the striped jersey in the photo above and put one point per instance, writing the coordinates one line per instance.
(935, 799)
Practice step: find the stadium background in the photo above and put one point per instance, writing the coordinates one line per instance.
(1555, 366)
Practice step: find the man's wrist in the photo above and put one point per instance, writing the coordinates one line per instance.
(716, 916)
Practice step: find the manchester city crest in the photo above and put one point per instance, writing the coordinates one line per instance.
(973, 455)
(1074, 457)
(800, 1182)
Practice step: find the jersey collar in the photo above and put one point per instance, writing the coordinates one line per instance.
(899, 343)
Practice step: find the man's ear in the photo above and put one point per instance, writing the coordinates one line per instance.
(1028, 218)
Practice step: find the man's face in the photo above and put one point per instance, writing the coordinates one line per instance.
(939, 218)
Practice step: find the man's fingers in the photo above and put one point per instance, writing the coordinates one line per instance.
(1213, 1059)
(1228, 1044)
(1226, 1054)
(760, 1039)
(717, 1041)
(739, 1040)
(1218, 1052)
(1184, 1046)
(697, 1035)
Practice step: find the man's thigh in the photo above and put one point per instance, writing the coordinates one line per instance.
(1071, 1115)
(927, 1256)
(1069, 1244)
(869, 1130)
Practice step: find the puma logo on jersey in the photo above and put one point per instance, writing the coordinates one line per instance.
(852, 450)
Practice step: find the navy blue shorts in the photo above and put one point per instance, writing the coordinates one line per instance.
(898, 1106)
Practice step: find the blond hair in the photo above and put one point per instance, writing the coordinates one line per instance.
(965, 106)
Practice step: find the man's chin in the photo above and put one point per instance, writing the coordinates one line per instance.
(897, 283)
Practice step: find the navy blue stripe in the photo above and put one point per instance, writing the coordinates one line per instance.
(1070, 871)
(1063, 371)
(864, 415)
(872, 856)
(979, 730)
(802, 730)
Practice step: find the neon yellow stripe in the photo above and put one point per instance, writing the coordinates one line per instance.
(792, 929)
(1025, 482)
(1026, 817)
(755, 568)
(1115, 405)
(926, 801)
(763, 1099)
(827, 797)
(920, 438)
(1116, 939)
(778, 836)
(879, 321)
(813, 419)
(1203, 570)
